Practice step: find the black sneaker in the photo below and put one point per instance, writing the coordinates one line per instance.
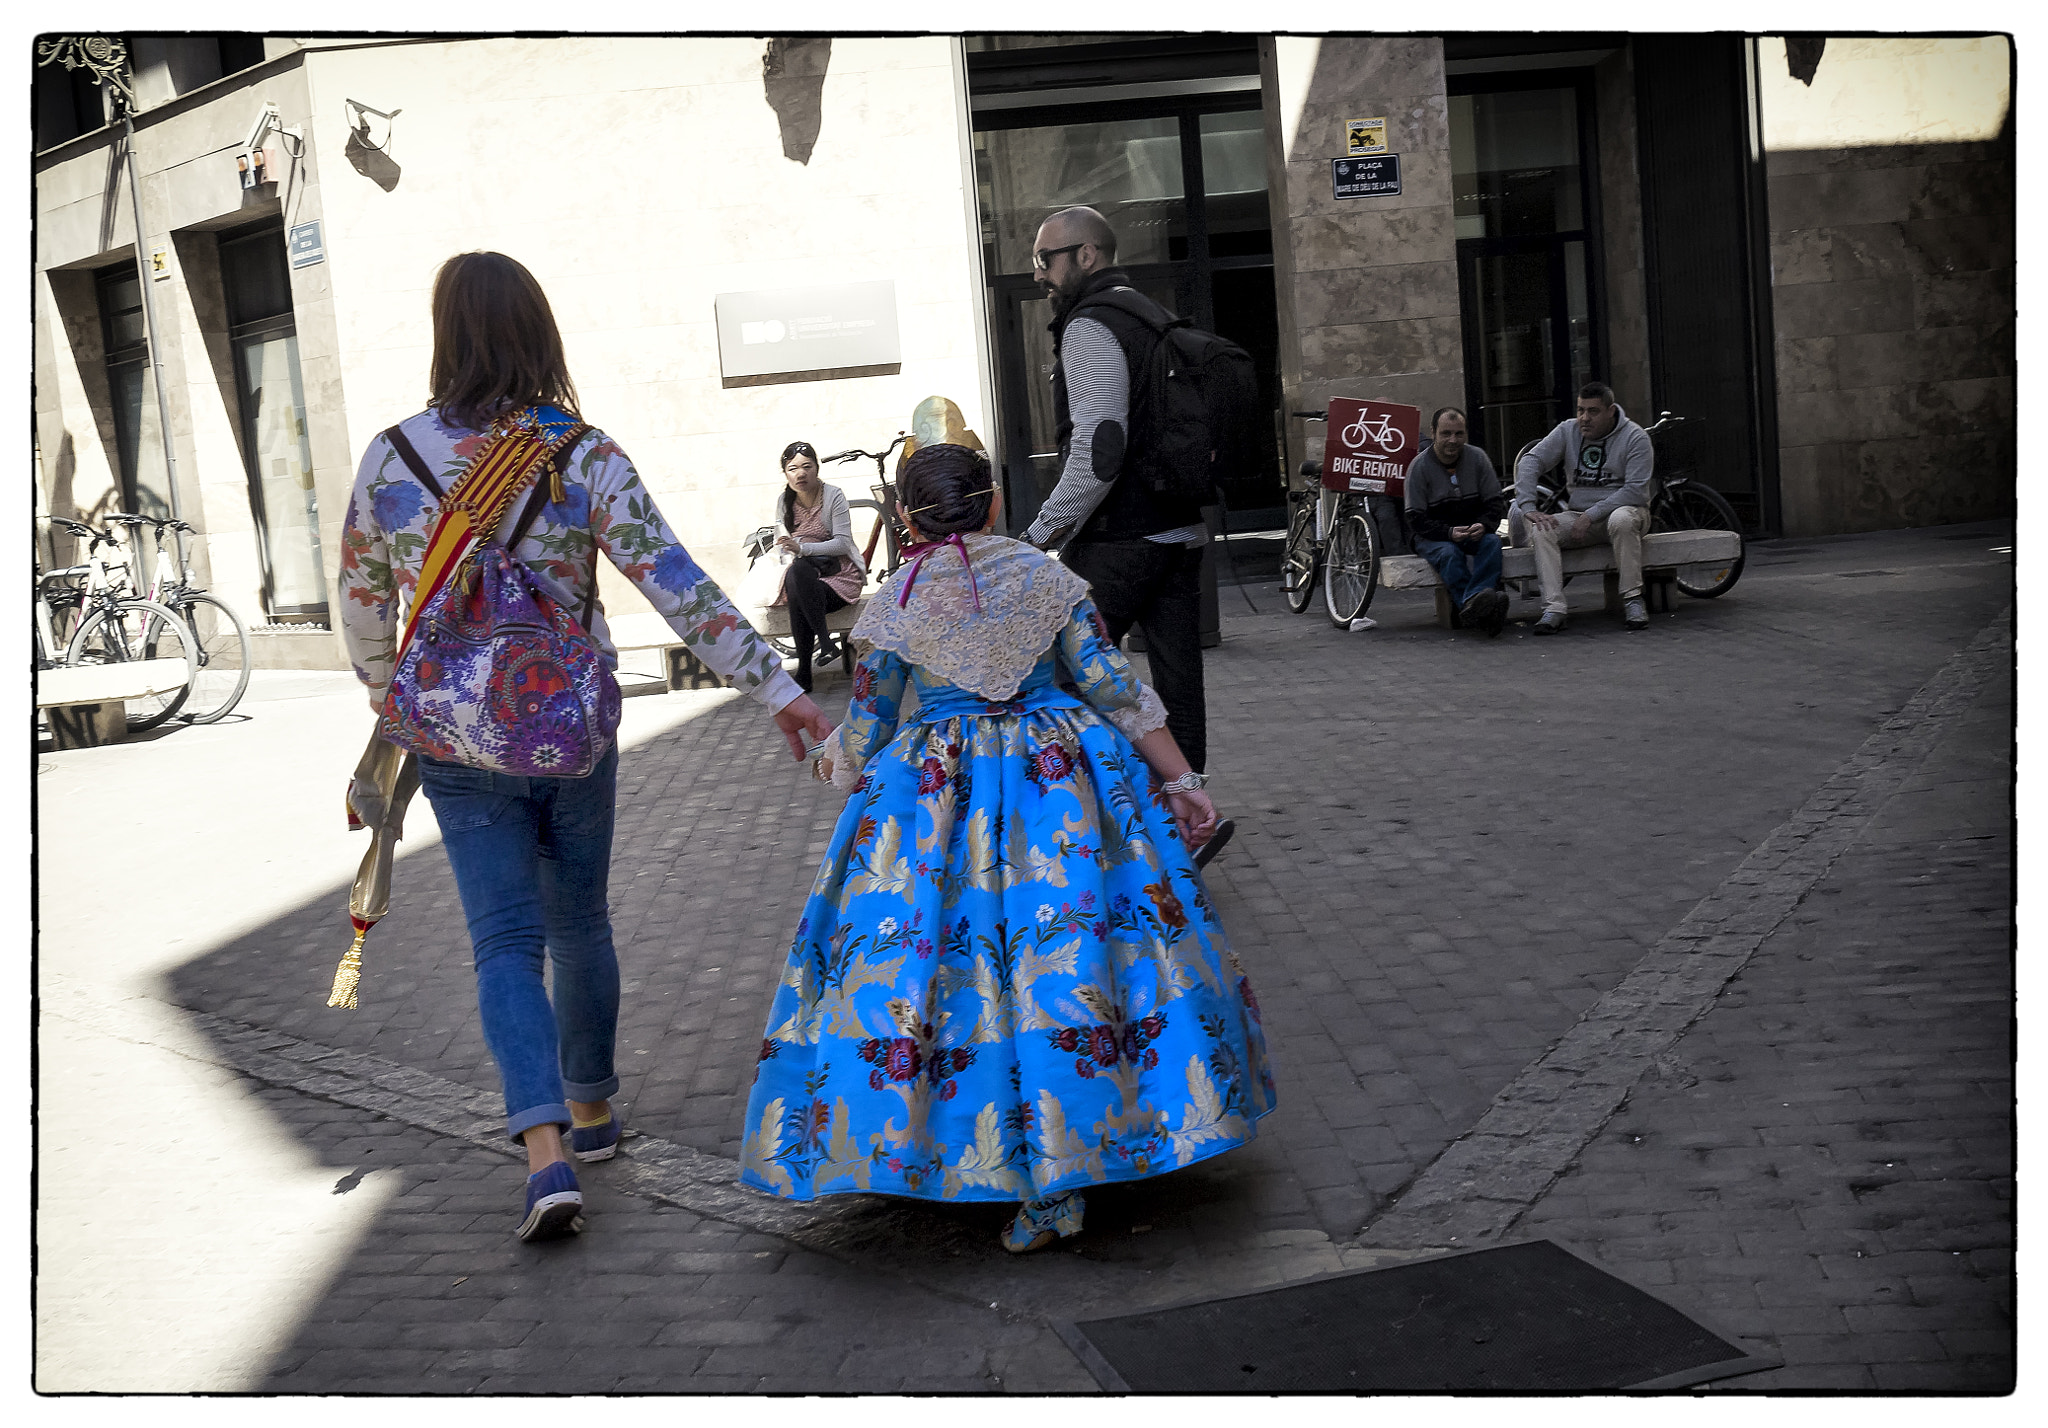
(1550, 624)
(1497, 617)
(1216, 841)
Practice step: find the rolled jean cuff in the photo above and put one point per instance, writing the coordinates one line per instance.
(556, 1114)
(587, 1091)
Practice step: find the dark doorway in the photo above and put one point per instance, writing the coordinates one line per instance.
(1182, 179)
(1523, 173)
(256, 278)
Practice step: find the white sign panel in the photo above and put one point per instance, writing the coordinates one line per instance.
(807, 329)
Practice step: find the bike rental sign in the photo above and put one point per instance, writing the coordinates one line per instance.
(1368, 446)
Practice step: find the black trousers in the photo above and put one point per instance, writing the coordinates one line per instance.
(810, 601)
(1158, 588)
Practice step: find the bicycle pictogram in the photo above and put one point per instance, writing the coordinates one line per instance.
(1380, 429)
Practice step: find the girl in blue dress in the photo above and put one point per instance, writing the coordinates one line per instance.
(1008, 983)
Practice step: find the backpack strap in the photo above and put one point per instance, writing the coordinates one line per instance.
(1135, 304)
(404, 447)
(542, 495)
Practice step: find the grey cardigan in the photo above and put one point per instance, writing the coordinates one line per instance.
(838, 516)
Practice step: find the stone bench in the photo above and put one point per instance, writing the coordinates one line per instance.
(649, 631)
(88, 702)
(1664, 552)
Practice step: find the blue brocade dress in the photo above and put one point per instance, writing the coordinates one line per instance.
(1008, 981)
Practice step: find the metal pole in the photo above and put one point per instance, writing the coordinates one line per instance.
(156, 357)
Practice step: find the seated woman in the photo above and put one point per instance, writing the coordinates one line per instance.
(815, 525)
(1009, 983)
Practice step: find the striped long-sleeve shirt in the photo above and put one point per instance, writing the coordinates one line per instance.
(1099, 403)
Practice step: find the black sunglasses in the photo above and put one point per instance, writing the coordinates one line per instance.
(1042, 259)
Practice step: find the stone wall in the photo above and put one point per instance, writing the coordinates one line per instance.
(1892, 267)
(1367, 287)
(638, 178)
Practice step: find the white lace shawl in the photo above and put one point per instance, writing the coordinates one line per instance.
(1026, 599)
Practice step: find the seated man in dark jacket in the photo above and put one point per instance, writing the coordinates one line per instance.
(1455, 507)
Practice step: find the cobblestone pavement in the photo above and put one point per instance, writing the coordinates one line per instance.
(1449, 849)
(1827, 1155)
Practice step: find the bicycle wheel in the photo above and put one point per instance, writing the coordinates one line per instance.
(221, 648)
(1351, 569)
(137, 630)
(1299, 558)
(1693, 507)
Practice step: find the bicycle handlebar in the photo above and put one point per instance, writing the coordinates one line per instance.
(878, 457)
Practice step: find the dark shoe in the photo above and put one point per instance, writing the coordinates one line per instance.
(1216, 841)
(1497, 617)
(598, 1142)
(1550, 624)
(1634, 615)
(1472, 614)
(554, 1204)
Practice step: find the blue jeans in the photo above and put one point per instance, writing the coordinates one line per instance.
(531, 859)
(1466, 568)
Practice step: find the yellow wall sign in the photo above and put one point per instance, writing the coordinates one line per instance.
(1365, 136)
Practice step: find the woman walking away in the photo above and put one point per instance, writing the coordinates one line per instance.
(1008, 983)
(531, 854)
(815, 525)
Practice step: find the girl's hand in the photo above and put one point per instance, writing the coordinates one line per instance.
(1194, 814)
(790, 544)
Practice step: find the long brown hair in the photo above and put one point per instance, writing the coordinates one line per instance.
(495, 341)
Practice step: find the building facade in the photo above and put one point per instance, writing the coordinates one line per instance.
(1804, 247)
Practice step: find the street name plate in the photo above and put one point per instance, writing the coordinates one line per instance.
(1377, 177)
(807, 329)
(305, 245)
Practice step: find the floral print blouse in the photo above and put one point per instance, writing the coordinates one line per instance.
(605, 509)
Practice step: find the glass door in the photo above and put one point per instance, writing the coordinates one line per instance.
(1520, 170)
(1183, 183)
(256, 279)
(281, 460)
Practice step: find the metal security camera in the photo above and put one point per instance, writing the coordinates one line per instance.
(266, 120)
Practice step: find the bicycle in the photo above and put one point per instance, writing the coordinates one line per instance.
(114, 628)
(1679, 501)
(1331, 532)
(220, 642)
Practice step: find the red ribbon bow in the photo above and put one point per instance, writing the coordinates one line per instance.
(918, 554)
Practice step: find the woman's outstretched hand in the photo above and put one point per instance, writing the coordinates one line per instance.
(800, 717)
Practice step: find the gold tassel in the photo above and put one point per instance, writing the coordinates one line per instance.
(556, 494)
(349, 974)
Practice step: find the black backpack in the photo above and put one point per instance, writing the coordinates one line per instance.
(1194, 408)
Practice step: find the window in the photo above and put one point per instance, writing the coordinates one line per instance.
(138, 438)
(263, 334)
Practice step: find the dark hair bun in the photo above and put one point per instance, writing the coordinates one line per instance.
(946, 489)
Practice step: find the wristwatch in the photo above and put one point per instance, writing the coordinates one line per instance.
(1186, 783)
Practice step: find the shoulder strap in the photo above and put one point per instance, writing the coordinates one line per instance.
(541, 496)
(1134, 303)
(401, 444)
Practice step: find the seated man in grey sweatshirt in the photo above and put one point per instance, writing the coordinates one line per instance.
(1607, 461)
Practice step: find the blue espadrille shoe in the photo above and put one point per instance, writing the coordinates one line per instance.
(554, 1204)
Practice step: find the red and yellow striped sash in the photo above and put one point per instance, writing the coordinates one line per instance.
(473, 508)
